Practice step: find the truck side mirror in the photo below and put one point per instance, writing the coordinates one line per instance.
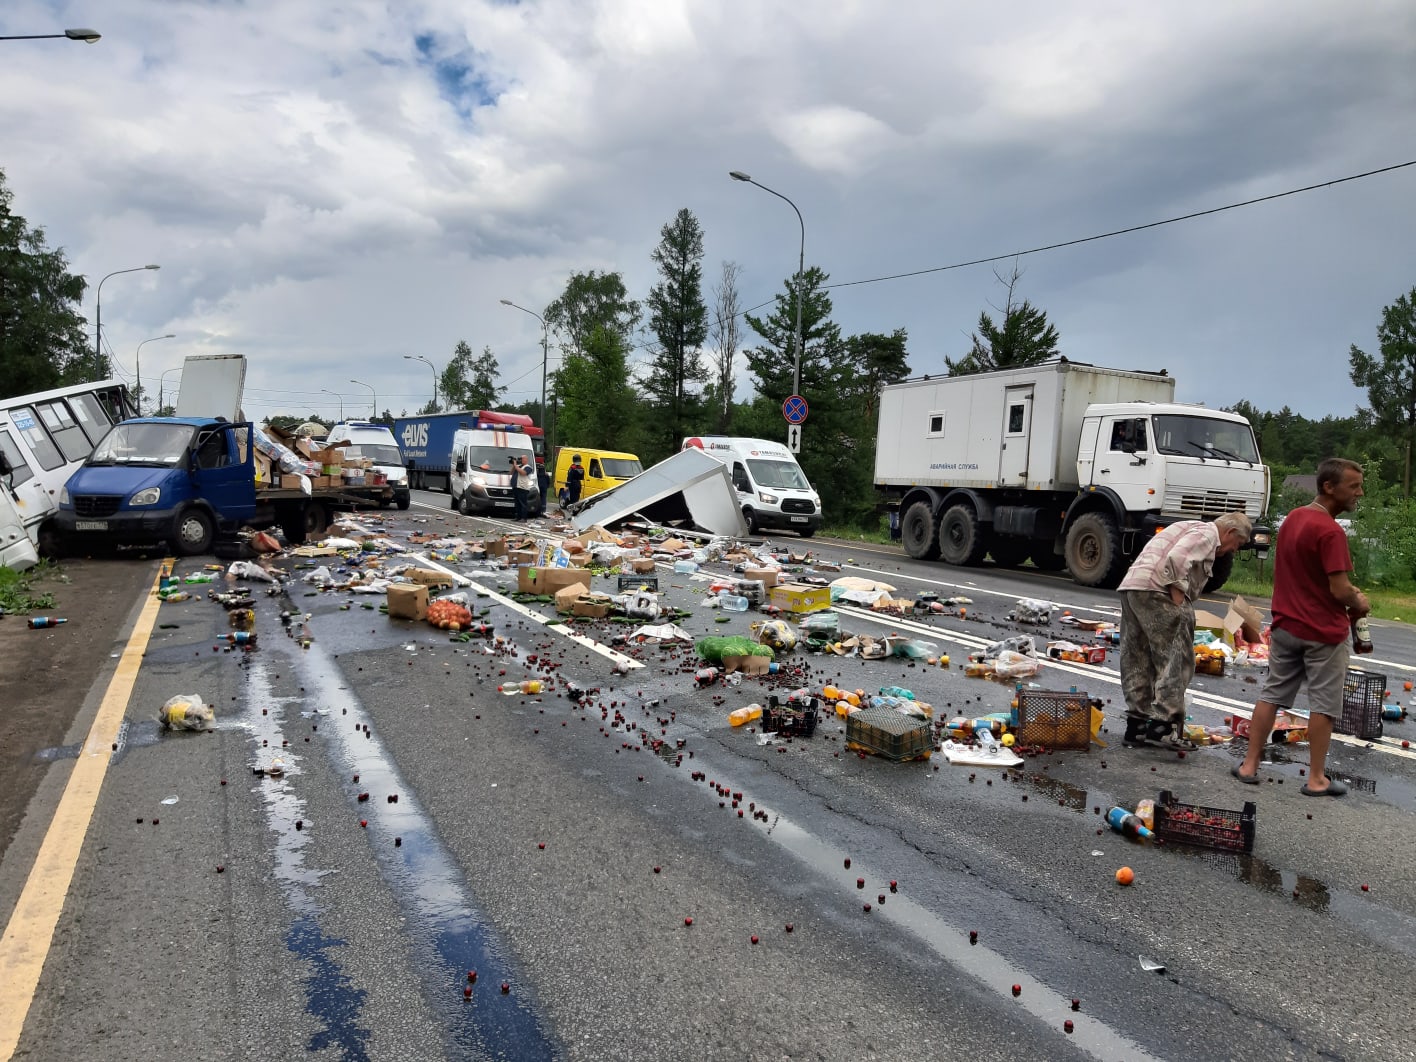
(462, 466)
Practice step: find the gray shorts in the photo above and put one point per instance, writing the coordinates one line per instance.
(1292, 662)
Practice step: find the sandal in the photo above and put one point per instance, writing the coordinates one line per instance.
(1334, 788)
(1247, 779)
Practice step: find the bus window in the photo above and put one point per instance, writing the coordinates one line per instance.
(65, 430)
(36, 438)
(92, 417)
(20, 470)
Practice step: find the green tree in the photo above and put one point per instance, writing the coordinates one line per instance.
(42, 338)
(470, 382)
(596, 403)
(1390, 377)
(592, 301)
(679, 321)
(772, 363)
(1024, 338)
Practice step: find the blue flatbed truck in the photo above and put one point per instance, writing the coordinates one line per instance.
(186, 481)
(426, 442)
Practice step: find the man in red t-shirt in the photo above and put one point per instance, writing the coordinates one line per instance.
(1314, 604)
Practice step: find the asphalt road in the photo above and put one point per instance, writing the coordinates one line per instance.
(540, 841)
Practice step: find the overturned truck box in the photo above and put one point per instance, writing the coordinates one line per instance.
(689, 490)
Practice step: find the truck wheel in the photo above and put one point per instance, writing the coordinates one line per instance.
(1046, 559)
(292, 524)
(1219, 575)
(806, 532)
(192, 532)
(960, 541)
(316, 519)
(1009, 552)
(404, 503)
(751, 518)
(919, 532)
(1094, 555)
(455, 503)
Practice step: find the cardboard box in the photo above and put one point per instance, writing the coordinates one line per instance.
(408, 602)
(800, 598)
(427, 577)
(520, 558)
(748, 665)
(768, 577)
(567, 596)
(593, 607)
(1242, 618)
(495, 547)
(642, 565)
(549, 580)
(290, 482)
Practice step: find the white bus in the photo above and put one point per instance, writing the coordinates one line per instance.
(46, 436)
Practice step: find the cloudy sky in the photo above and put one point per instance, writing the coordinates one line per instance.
(330, 184)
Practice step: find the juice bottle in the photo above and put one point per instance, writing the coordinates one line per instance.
(745, 715)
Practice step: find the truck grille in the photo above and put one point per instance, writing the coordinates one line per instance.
(798, 505)
(96, 504)
(504, 493)
(1206, 504)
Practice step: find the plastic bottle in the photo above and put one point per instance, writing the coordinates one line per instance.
(1123, 822)
(1362, 636)
(986, 741)
(200, 577)
(685, 567)
(1145, 811)
(745, 715)
(39, 622)
(242, 638)
(733, 602)
(897, 691)
(1394, 712)
(706, 676)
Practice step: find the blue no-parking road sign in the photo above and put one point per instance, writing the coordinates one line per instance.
(794, 409)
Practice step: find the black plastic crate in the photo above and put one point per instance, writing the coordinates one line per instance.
(1054, 720)
(1202, 827)
(637, 582)
(889, 733)
(790, 718)
(1363, 693)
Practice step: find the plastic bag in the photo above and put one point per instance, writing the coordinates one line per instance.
(822, 621)
(320, 576)
(1014, 665)
(1019, 643)
(1031, 610)
(912, 648)
(244, 569)
(713, 650)
(187, 712)
(776, 633)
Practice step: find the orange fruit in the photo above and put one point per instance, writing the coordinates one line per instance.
(1125, 876)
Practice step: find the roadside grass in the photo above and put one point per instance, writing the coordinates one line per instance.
(854, 533)
(17, 592)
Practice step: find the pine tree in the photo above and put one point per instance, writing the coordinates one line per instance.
(678, 319)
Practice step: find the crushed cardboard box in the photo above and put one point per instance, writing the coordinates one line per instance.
(595, 606)
(427, 577)
(1242, 618)
(766, 576)
(566, 597)
(550, 580)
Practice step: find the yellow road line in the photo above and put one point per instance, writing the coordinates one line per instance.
(25, 945)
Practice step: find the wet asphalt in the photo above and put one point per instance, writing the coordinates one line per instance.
(527, 831)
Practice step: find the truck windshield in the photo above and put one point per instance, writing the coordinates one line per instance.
(783, 475)
(1205, 437)
(144, 444)
(621, 468)
(492, 458)
(379, 454)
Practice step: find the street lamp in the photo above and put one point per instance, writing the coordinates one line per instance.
(88, 36)
(162, 383)
(533, 313)
(138, 387)
(98, 307)
(429, 364)
(327, 391)
(738, 175)
(361, 383)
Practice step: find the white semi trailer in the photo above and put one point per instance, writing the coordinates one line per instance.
(1070, 465)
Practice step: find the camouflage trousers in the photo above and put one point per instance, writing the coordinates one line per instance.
(1157, 655)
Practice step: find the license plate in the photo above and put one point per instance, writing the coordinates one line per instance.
(798, 519)
(90, 525)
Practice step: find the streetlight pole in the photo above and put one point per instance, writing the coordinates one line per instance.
(162, 383)
(339, 396)
(88, 36)
(138, 387)
(361, 383)
(738, 175)
(550, 449)
(98, 307)
(429, 364)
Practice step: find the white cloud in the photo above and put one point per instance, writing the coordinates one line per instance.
(337, 183)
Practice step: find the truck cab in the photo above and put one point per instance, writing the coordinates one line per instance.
(772, 489)
(480, 483)
(179, 479)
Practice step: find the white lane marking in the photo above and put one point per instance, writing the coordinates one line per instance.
(971, 588)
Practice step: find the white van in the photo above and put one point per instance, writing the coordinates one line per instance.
(481, 471)
(16, 549)
(362, 438)
(771, 486)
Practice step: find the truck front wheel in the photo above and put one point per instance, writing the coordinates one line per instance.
(1220, 573)
(316, 519)
(1094, 555)
(192, 532)
(919, 532)
(961, 542)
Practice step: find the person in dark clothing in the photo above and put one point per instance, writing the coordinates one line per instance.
(543, 480)
(574, 478)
